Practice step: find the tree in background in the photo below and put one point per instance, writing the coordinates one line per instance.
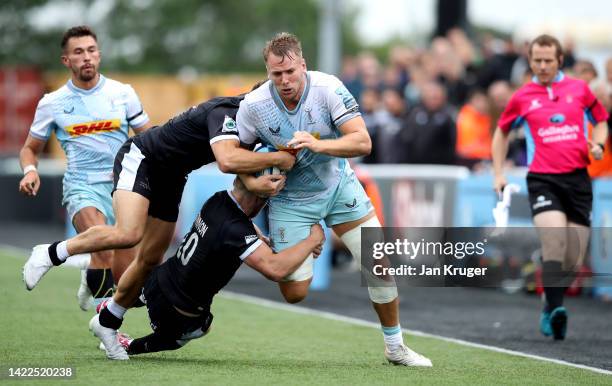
(162, 35)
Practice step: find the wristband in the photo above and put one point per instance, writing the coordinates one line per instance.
(29, 168)
(603, 147)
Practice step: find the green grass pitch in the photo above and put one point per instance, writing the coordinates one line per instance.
(248, 344)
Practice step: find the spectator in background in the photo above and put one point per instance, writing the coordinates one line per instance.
(569, 59)
(418, 78)
(388, 143)
(430, 134)
(400, 60)
(585, 70)
(500, 93)
(450, 71)
(350, 76)
(369, 70)
(392, 79)
(520, 66)
(370, 109)
(498, 65)
(474, 131)
(462, 46)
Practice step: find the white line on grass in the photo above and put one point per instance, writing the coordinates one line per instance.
(360, 322)
(365, 323)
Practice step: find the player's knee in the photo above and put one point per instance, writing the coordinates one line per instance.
(382, 295)
(352, 238)
(295, 295)
(294, 298)
(146, 263)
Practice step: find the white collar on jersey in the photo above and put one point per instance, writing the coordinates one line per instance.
(558, 78)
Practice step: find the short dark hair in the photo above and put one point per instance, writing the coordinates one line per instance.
(283, 44)
(77, 32)
(549, 41)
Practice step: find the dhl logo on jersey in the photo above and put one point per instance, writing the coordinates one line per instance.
(94, 127)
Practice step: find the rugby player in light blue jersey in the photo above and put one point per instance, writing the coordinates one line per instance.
(314, 113)
(90, 116)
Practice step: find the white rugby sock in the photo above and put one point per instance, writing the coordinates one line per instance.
(116, 309)
(393, 337)
(62, 250)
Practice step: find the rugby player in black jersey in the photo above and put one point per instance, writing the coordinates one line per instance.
(150, 172)
(179, 293)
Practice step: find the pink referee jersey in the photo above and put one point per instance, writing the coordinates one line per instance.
(555, 119)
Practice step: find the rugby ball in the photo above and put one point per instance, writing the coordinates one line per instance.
(270, 170)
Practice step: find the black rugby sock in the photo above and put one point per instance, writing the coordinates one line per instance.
(53, 254)
(153, 343)
(108, 320)
(554, 282)
(100, 282)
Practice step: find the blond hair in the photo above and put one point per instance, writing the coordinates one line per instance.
(284, 45)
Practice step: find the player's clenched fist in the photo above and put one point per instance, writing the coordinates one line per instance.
(264, 186)
(285, 160)
(303, 139)
(596, 150)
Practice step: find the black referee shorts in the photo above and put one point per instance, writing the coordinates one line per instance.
(163, 188)
(571, 193)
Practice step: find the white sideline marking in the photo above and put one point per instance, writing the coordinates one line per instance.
(360, 322)
(365, 323)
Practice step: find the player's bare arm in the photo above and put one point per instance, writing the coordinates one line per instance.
(142, 128)
(260, 235)
(28, 158)
(231, 158)
(355, 141)
(267, 186)
(499, 150)
(600, 136)
(276, 266)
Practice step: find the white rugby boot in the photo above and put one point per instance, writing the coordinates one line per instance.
(38, 264)
(108, 336)
(406, 357)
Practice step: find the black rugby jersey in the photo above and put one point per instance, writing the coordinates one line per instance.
(183, 143)
(221, 237)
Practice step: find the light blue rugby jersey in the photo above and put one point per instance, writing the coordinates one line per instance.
(325, 105)
(91, 125)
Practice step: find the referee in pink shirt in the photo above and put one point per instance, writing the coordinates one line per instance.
(554, 109)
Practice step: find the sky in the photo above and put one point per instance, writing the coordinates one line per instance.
(383, 18)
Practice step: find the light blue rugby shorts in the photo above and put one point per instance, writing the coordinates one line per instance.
(81, 195)
(290, 223)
